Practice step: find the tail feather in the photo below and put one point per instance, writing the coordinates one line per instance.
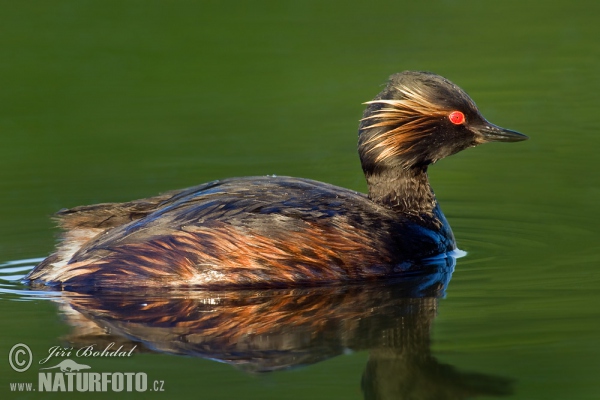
(84, 223)
(107, 215)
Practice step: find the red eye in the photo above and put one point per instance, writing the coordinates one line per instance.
(456, 117)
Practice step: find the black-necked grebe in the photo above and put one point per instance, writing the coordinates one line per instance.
(280, 231)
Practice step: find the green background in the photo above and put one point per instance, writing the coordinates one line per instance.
(115, 100)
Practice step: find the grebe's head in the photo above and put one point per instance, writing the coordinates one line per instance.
(420, 118)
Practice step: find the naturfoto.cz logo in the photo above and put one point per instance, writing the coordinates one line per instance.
(70, 376)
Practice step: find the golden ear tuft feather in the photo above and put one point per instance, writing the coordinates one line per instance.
(412, 116)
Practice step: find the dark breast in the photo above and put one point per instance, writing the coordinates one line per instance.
(253, 231)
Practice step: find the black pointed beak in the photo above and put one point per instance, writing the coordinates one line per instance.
(492, 133)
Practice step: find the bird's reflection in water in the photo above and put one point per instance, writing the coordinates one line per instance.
(276, 329)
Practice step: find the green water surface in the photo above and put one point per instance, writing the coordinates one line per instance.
(116, 100)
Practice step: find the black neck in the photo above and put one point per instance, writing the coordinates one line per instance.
(406, 191)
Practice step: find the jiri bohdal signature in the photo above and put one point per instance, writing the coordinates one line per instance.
(87, 351)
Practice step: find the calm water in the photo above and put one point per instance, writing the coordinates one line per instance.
(116, 100)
